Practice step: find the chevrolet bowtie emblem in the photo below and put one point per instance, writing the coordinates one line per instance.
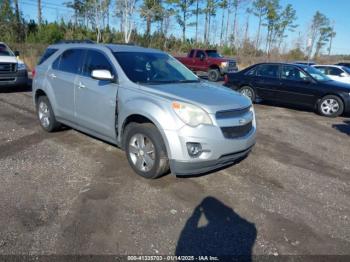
(242, 121)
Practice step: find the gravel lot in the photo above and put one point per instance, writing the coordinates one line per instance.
(68, 193)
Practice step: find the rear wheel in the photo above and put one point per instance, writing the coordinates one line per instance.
(249, 92)
(145, 150)
(331, 106)
(213, 75)
(46, 115)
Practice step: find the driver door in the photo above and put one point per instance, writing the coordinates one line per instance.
(200, 61)
(95, 104)
(296, 87)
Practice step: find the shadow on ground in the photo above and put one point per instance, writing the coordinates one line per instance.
(215, 229)
(343, 128)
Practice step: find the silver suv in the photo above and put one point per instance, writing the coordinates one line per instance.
(145, 102)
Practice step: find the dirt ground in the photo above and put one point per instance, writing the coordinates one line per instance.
(68, 193)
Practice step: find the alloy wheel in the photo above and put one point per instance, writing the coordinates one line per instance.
(247, 93)
(142, 152)
(44, 114)
(330, 106)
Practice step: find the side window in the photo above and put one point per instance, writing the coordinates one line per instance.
(56, 63)
(96, 60)
(268, 71)
(191, 53)
(333, 71)
(293, 73)
(322, 69)
(251, 72)
(48, 52)
(69, 61)
(200, 54)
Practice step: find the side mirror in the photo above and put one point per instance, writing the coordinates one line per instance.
(16, 53)
(201, 57)
(101, 74)
(343, 74)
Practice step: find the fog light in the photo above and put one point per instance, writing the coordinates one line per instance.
(194, 149)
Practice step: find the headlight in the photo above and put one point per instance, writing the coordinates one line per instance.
(224, 64)
(21, 66)
(190, 114)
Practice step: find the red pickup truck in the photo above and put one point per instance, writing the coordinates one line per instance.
(210, 61)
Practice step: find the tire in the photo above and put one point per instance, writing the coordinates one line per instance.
(46, 115)
(248, 92)
(140, 138)
(330, 106)
(213, 75)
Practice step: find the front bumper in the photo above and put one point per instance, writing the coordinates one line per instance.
(14, 79)
(228, 70)
(217, 150)
(194, 168)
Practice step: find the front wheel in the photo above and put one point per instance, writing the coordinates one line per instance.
(331, 106)
(46, 115)
(249, 92)
(213, 75)
(145, 150)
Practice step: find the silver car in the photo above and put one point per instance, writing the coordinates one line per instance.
(145, 102)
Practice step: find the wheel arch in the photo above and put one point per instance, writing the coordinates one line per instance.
(38, 93)
(330, 94)
(214, 66)
(142, 118)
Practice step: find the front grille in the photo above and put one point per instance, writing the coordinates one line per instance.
(232, 113)
(232, 64)
(236, 131)
(7, 68)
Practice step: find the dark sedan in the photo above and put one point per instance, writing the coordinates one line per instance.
(292, 84)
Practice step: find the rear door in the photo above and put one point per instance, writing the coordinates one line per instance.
(296, 87)
(95, 105)
(61, 77)
(267, 80)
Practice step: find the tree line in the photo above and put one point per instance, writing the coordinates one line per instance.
(202, 23)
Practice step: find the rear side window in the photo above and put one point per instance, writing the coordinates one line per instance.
(268, 71)
(48, 52)
(333, 71)
(69, 61)
(96, 60)
(251, 72)
(191, 53)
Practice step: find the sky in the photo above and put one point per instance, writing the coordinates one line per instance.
(336, 10)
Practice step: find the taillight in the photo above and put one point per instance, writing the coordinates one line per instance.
(33, 73)
(225, 79)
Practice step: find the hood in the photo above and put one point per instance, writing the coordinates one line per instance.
(8, 59)
(337, 85)
(209, 96)
(222, 59)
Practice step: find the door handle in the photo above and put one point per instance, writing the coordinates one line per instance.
(52, 75)
(81, 85)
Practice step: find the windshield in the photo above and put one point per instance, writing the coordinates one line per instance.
(154, 68)
(213, 53)
(5, 51)
(316, 74)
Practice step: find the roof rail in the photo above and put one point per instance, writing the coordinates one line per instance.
(86, 41)
(131, 43)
